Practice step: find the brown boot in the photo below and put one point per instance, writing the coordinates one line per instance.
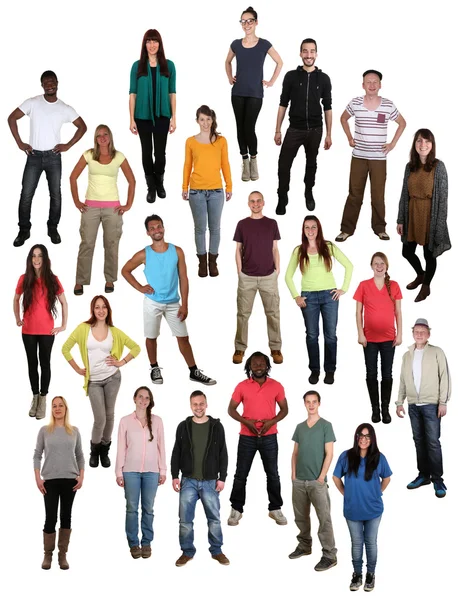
(62, 544)
(203, 269)
(423, 294)
(212, 267)
(49, 543)
(416, 282)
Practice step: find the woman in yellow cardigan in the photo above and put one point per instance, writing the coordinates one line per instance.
(101, 346)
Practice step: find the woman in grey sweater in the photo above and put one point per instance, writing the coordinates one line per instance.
(61, 475)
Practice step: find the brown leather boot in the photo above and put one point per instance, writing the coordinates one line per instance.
(212, 267)
(416, 282)
(62, 544)
(49, 543)
(423, 294)
(203, 268)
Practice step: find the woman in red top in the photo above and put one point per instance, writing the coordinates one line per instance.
(380, 300)
(40, 289)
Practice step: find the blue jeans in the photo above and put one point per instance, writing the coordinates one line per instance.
(206, 204)
(136, 485)
(364, 533)
(191, 491)
(426, 429)
(321, 302)
(371, 352)
(246, 451)
(51, 163)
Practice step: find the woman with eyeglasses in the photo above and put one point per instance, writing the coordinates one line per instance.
(367, 474)
(247, 87)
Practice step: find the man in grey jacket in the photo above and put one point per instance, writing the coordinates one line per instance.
(425, 382)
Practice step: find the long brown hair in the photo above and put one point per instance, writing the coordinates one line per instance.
(208, 112)
(142, 71)
(96, 148)
(93, 319)
(321, 244)
(148, 409)
(52, 422)
(431, 160)
(387, 277)
(46, 275)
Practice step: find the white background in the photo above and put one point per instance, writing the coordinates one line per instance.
(91, 46)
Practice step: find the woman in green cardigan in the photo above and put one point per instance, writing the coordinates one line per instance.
(152, 107)
(101, 346)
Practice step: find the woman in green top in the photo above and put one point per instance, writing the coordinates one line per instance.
(152, 108)
(319, 294)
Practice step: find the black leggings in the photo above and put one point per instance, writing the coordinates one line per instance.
(408, 252)
(59, 489)
(42, 343)
(149, 131)
(246, 111)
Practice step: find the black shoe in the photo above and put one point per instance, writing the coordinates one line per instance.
(156, 376)
(385, 396)
(94, 457)
(23, 235)
(369, 584)
(54, 235)
(309, 200)
(356, 582)
(372, 388)
(299, 552)
(151, 185)
(314, 376)
(329, 378)
(325, 563)
(104, 459)
(159, 179)
(197, 375)
(282, 203)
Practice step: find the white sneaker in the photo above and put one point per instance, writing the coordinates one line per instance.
(234, 517)
(278, 517)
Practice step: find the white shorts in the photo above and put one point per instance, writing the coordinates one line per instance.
(152, 316)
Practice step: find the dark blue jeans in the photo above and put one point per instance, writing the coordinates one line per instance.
(321, 302)
(371, 352)
(268, 449)
(51, 163)
(426, 429)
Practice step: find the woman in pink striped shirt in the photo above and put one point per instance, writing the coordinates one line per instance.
(140, 468)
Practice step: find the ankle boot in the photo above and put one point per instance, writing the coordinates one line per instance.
(151, 185)
(372, 388)
(160, 185)
(41, 407)
(212, 266)
(385, 393)
(416, 282)
(49, 543)
(104, 459)
(33, 406)
(254, 173)
(62, 544)
(203, 267)
(94, 457)
(245, 170)
(424, 293)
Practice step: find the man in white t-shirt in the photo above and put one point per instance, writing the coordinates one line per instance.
(370, 150)
(47, 115)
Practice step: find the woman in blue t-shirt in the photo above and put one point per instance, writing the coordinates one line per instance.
(367, 474)
(247, 90)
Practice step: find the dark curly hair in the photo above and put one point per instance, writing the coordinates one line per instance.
(248, 370)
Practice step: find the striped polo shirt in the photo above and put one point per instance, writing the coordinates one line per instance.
(371, 127)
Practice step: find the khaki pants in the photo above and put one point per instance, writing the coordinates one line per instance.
(246, 293)
(112, 231)
(359, 170)
(306, 493)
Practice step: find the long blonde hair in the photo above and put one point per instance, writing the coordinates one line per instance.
(52, 422)
(96, 148)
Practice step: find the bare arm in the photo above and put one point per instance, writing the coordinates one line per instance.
(238, 256)
(339, 484)
(184, 284)
(385, 483)
(345, 116)
(398, 316)
(131, 265)
(276, 255)
(132, 102)
(294, 461)
(81, 129)
(16, 310)
(278, 66)
(173, 109)
(280, 117)
(79, 168)
(64, 307)
(249, 423)
(128, 174)
(12, 122)
(283, 404)
(228, 66)
(328, 122)
(329, 453)
(359, 324)
(399, 131)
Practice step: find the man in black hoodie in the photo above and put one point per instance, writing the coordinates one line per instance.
(305, 88)
(200, 454)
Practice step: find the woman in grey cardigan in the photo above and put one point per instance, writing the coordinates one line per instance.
(61, 475)
(422, 217)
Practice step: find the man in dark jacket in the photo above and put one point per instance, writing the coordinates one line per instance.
(200, 454)
(305, 88)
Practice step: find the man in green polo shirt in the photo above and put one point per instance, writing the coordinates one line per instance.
(312, 455)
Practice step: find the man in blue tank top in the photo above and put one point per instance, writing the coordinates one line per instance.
(165, 268)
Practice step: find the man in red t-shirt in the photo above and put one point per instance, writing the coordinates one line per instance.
(259, 395)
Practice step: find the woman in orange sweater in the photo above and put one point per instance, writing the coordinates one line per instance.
(205, 158)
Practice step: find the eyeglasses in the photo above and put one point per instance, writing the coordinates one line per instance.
(244, 22)
(364, 436)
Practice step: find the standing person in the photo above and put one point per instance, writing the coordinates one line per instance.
(102, 205)
(258, 267)
(47, 115)
(247, 87)
(205, 157)
(379, 299)
(40, 290)
(319, 294)
(367, 475)
(101, 345)
(422, 217)
(312, 456)
(370, 150)
(426, 383)
(259, 395)
(140, 468)
(61, 476)
(200, 454)
(152, 108)
(305, 88)
(165, 267)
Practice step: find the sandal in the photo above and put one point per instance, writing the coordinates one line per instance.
(109, 288)
(383, 236)
(342, 236)
(78, 291)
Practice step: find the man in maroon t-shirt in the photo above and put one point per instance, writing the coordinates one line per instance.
(258, 267)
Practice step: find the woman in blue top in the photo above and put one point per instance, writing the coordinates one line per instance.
(247, 89)
(152, 108)
(367, 475)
